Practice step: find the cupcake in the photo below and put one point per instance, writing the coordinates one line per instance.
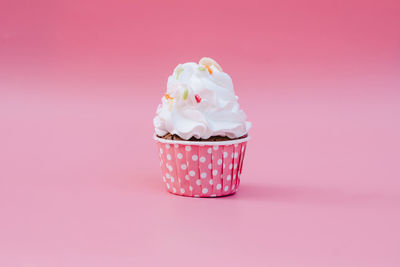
(201, 132)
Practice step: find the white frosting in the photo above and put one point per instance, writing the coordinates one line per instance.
(215, 112)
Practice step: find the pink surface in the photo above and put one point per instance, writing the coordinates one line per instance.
(80, 183)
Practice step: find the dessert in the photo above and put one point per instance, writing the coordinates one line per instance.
(201, 131)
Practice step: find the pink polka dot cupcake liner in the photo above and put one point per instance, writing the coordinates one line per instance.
(201, 169)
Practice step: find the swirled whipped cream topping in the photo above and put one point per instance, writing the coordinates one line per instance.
(200, 102)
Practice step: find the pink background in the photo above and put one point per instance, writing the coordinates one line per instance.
(80, 183)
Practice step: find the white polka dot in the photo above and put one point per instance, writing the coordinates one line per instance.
(180, 156)
(211, 182)
(174, 189)
(210, 166)
(215, 147)
(172, 179)
(213, 195)
(204, 190)
(192, 173)
(183, 167)
(167, 175)
(225, 154)
(164, 179)
(242, 149)
(191, 188)
(168, 156)
(170, 168)
(196, 196)
(236, 155)
(233, 186)
(188, 148)
(182, 190)
(179, 180)
(198, 182)
(230, 166)
(233, 155)
(236, 145)
(219, 162)
(203, 175)
(176, 145)
(209, 151)
(167, 146)
(223, 166)
(161, 151)
(187, 177)
(195, 157)
(228, 178)
(215, 172)
(168, 186)
(202, 159)
(235, 166)
(226, 188)
(218, 186)
(234, 176)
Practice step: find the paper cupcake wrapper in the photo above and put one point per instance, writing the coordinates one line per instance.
(201, 169)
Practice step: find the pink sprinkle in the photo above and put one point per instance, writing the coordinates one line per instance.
(198, 98)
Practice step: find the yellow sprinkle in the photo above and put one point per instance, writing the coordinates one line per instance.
(178, 72)
(185, 94)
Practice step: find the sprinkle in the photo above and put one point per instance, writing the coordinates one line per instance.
(209, 69)
(202, 68)
(206, 61)
(178, 72)
(198, 98)
(167, 96)
(185, 94)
